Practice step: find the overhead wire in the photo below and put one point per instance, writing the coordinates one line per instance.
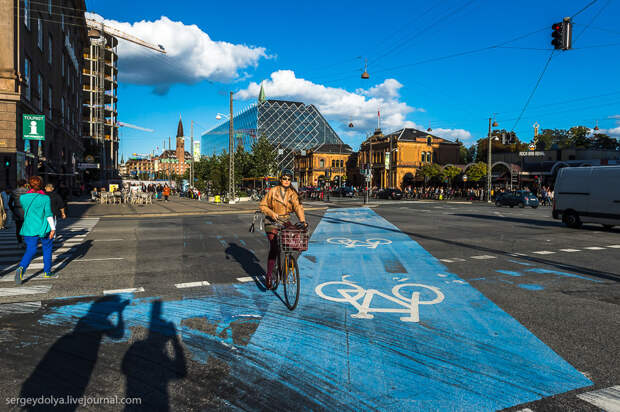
(587, 6)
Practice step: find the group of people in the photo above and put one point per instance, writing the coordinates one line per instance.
(35, 213)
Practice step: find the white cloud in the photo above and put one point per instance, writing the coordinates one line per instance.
(342, 107)
(192, 56)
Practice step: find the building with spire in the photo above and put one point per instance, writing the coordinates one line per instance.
(175, 161)
(169, 163)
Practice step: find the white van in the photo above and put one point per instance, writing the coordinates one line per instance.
(588, 195)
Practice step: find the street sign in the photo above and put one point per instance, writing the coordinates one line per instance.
(532, 146)
(33, 126)
(531, 154)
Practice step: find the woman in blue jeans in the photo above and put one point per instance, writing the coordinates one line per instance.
(38, 226)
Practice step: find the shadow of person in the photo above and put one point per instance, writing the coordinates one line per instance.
(60, 261)
(150, 364)
(65, 370)
(248, 261)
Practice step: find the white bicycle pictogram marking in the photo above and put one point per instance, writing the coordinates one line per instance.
(352, 293)
(371, 243)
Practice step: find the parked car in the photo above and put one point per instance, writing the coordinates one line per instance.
(343, 192)
(394, 194)
(519, 198)
(588, 194)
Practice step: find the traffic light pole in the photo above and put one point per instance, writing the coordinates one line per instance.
(489, 164)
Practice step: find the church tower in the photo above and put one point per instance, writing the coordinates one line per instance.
(180, 144)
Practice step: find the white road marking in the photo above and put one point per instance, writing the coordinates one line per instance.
(22, 307)
(613, 246)
(544, 252)
(128, 290)
(447, 260)
(191, 284)
(570, 250)
(525, 410)
(457, 259)
(245, 279)
(594, 248)
(26, 290)
(483, 257)
(108, 240)
(607, 399)
(92, 260)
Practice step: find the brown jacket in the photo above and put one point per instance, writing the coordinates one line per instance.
(281, 202)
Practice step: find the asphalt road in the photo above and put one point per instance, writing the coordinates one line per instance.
(172, 310)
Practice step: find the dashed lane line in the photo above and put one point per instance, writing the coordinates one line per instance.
(570, 250)
(97, 259)
(118, 291)
(26, 290)
(483, 257)
(594, 248)
(544, 252)
(613, 246)
(191, 284)
(607, 399)
(245, 279)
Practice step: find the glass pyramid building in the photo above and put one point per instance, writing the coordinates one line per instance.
(289, 126)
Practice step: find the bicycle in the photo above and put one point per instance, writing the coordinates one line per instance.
(291, 239)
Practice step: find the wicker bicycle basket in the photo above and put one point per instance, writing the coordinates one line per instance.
(293, 240)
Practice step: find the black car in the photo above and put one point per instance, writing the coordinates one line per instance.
(394, 194)
(519, 198)
(343, 192)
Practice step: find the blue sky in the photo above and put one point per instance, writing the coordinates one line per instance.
(315, 52)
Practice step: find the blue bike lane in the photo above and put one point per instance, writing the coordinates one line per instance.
(360, 334)
(381, 325)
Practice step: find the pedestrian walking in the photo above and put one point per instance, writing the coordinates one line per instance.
(38, 226)
(57, 202)
(18, 211)
(166, 192)
(6, 193)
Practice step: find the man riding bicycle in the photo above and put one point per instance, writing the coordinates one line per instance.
(277, 206)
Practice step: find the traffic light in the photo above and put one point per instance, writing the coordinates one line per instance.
(7, 161)
(562, 34)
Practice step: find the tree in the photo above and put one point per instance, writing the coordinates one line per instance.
(602, 141)
(430, 171)
(476, 171)
(263, 158)
(450, 173)
(578, 136)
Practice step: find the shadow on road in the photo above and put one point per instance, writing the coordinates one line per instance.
(151, 363)
(573, 268)
(66, 369)
(248, 261)
(512, 219)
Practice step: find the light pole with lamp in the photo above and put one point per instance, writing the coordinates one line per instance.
(492, 123)
(231, 153)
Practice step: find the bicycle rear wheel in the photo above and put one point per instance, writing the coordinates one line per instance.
(290, 281)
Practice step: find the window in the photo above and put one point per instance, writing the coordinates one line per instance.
(49, 7)
(49, 101)
(50, 43)
(341, 163)
(333, 163)
(62, 21)
(429, 157)
(27, 77)
(40, 91)
(62, 64)
(322, 163)
(62, 109)
(429, 140)
(27, 13)
(40, 34)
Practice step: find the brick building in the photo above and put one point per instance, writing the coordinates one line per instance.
(325, 163)
(40, 68)
(396, 157)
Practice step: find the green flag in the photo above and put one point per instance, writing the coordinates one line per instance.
(261, 94)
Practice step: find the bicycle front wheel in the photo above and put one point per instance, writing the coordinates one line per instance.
(277, 273)
(291, 281)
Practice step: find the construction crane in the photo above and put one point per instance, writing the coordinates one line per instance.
(97, 25)
(133, 126)
(98, 60)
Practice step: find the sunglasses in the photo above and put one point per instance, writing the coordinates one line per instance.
(285, 178)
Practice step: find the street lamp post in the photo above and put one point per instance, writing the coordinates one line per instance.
(231, 152)
(492, 123)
